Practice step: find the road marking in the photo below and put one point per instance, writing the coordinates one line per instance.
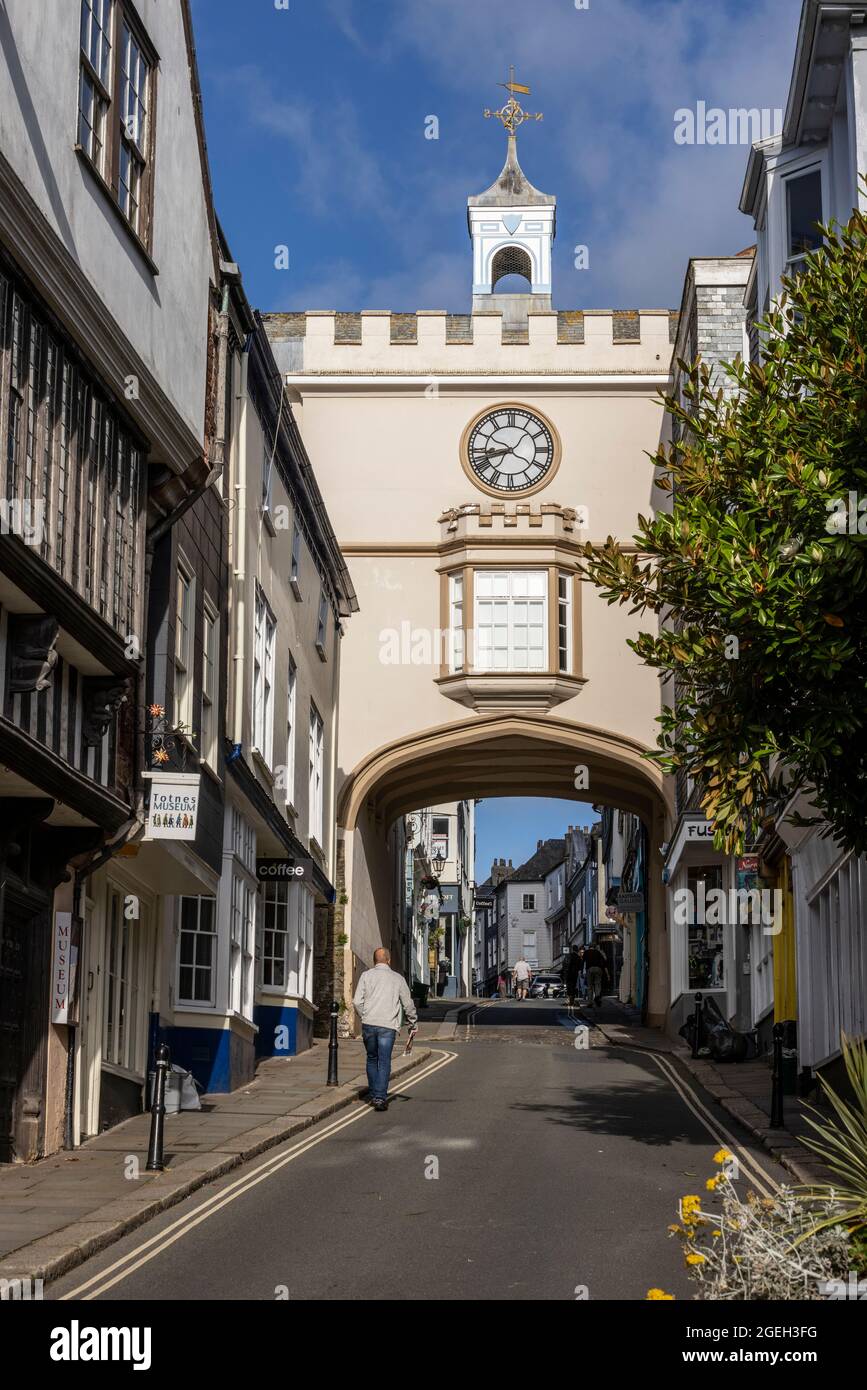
(184, 1224)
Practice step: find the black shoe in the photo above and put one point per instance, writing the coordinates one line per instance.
(380, 1105)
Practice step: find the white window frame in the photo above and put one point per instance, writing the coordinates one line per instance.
(316, 804)
(124, 944)
(565, 635)
(295, 562)
(264, 644)
(528, 902)
(242, 939)
(497, 613)
(291, 728)
(322, 625)
(456, 622)
(185, 633)
(197, 935)
(210, 684)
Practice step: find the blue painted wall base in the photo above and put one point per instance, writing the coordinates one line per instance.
(270, 1019)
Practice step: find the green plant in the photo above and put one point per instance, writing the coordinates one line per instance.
(342, 938)
(842, 1143)
(755, 580)
(343, 899)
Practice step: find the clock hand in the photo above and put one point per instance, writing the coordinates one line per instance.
(497, 453)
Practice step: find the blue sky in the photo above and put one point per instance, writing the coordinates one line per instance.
(509, 827)
(315, 118)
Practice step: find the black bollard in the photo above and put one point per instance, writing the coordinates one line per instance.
(332, 1045)
(696, 1026)
(158, 1109)
(777, 1079)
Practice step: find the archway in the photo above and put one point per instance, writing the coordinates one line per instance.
(507, 754)
(511, 260)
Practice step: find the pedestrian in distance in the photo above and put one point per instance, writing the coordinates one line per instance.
(383, 1000)
(597, 969)
(569, 974)
(502, 986)
(521, 978)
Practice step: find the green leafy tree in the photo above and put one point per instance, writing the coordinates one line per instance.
(758, 573)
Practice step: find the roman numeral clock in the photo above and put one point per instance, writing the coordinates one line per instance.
(510, 451)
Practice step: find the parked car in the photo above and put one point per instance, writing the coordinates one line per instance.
(547, 985)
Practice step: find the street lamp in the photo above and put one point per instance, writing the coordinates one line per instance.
(438, 863)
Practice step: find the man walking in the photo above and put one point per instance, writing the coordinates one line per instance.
(597, 968)
(569, 974)
(381, 998)
(521, 978)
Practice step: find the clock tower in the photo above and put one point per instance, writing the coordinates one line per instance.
(512, 226)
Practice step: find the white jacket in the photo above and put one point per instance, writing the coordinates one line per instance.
(383, 997)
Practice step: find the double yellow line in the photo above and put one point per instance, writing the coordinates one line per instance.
(149, 1249)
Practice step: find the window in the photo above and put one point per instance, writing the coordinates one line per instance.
(274, 902)
(440, 837)
(529, 945)
(322, 624)
(803, 212)
(287, 939)
(456, 622)
(564, 622)
(528, 902)
(197, 951)
(317, 741)
(115, 105)
(94, 79)
(291, 731)
(705, 950)
(210, 676)
(121, 1016)
(265, 636)
(511, 620)
(241, 944)
(184, 617)
(243, 841)
(295, 563)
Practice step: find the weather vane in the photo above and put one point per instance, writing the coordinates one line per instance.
(512, 114)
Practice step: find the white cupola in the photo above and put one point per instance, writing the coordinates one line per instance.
(512, 227)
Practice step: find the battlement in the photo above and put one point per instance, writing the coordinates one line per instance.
(375, 341)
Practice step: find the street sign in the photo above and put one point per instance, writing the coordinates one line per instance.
(296, 870)
(630, 902)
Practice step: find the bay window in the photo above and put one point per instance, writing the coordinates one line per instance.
(803, 214)
(511, 620)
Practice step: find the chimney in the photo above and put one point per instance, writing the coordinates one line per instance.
(538, 845)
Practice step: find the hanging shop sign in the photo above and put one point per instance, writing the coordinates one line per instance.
(173, 809)
(630, 902)
(294, 869)
(62, 967)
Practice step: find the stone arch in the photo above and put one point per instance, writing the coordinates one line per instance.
(505, 754)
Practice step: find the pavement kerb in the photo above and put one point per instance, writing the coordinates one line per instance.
(776, 1142)
(55, 1254)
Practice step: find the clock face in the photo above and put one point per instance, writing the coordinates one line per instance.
(510, 449)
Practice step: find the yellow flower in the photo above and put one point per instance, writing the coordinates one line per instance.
(657, 1295)
(721, 1155)
(675, 1227)
(695, 1259)
(711, 1184)
(716, 1233)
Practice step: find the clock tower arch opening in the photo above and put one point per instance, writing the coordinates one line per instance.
(511, 262)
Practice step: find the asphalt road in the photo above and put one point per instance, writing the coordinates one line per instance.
(557, 1169)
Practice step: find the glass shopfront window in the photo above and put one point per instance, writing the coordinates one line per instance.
(705, 940)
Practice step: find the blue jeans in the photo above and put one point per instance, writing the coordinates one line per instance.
(379, 1045)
